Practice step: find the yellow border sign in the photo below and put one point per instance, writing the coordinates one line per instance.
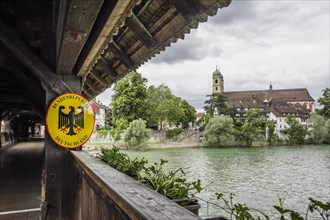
(70, 120)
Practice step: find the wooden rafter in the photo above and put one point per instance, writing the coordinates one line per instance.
(135, 25)
(98, 77)
(104, 66)
(90, 84)
(112, 16)
(24, 54)
(121, 55)
(188, 9)
(38, 95)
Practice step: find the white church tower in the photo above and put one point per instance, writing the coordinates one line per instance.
(217, 81)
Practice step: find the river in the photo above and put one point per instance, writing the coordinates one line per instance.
(257, 176)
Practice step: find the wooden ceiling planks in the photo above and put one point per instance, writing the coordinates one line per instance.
(98, 40)
(152, 26)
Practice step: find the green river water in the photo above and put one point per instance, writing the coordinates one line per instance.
(257, 176)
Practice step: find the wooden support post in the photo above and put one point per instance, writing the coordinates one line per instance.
(54, 183)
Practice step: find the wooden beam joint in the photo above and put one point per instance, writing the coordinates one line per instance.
(135, 25)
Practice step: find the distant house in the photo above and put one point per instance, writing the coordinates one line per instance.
(274, 104)
(102, 114)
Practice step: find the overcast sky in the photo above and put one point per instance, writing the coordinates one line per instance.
(253, 43)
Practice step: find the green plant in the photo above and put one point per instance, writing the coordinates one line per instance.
(294, 215)
(172, 184)
(122, 162)
(136, 134)
(102, 133)
(173, 133)
(242, 212)
(322, 208)
(238, 211)
(218, 131)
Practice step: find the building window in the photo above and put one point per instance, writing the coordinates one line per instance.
(216, 81)
(216, 88)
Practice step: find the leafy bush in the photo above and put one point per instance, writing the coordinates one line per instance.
(242, 212)
(122, 162)
(173, 133)
(172, 184)
(218, 131)
(102, 133)
(136, 134)
(119, 126)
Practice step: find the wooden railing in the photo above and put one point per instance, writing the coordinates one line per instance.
(101, 192)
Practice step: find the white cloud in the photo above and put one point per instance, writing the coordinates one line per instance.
(253, 42)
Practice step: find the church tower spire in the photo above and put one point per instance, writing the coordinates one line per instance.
(218, 85)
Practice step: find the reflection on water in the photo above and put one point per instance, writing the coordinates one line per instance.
(257, 176)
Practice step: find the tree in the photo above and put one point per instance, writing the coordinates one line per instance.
(188, 114)
(296, 132)
(319, 130)
(129, 100)
(271, 136)
(164, 107)
(325, 101)
(120, 125)
(250, 128)
(136, 134)
(327, 137)
(216, 104)
(218, 131)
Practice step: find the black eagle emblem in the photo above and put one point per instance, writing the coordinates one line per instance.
(71, 120)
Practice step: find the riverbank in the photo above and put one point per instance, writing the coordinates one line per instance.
(151, 146)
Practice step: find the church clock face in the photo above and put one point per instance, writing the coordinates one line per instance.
(70, 120)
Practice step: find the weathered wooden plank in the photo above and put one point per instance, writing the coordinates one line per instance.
(76, 21)
(48, 36)
(133, 198)
(23, 53)
(135, 25)
(121, 55)
(113, 14)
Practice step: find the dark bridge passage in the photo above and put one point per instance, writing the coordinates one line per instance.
(20, 180)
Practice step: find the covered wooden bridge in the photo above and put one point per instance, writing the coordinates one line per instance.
(51, 47)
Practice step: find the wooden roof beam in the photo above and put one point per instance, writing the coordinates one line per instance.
(112, 15)
(90, 84)
(75, 22)
(135, 25)
(98, 77)
(24, 54)
(188, 9)
(89, 94)
(35, 90)
(104, 65)
(121, 55)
